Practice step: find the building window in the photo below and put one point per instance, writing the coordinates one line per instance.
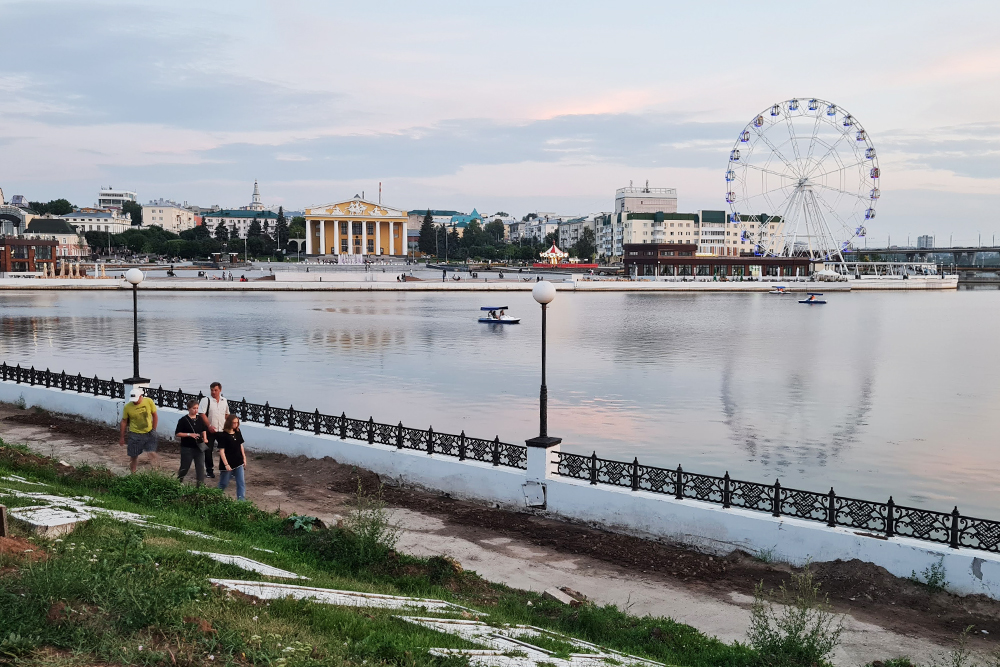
(356, 229)
(343, 244)
(371, 228)
(343, 229)
(371, 245)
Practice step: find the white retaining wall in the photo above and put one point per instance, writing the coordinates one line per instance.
(704, 526)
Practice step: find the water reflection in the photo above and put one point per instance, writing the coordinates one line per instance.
(873, 394)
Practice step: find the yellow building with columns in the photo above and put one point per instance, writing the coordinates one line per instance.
(355, 227)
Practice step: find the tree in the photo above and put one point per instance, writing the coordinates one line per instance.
(428, 235)
(201, 232)
(586, 245)
(495, 232)
(297, 230)
(473, 235)
(281, 229)
(551, 239)
(135, 210)
(222, 232)
(55, 207)
(255, 231)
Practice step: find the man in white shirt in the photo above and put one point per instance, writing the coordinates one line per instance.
(216, 409)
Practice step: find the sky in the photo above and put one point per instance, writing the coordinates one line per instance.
(503, 106)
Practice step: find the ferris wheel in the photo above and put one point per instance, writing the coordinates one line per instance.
(802, 181)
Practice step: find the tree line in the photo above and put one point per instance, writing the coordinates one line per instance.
(482, 242)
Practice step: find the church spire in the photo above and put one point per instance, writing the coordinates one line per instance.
(256, 204)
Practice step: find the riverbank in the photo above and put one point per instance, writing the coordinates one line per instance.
(886, 616)
(323, 283)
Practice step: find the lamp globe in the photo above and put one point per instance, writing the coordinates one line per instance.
(134, 276)
(544, 292)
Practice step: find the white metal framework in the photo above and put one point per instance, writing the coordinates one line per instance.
(802, 180)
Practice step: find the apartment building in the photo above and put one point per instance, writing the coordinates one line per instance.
(170, 215)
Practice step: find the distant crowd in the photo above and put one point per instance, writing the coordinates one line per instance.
(200, 432)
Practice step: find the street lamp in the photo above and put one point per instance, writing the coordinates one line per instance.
(544, 292)
(135, 276)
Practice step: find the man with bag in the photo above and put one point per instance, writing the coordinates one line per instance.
(139, 419)
(193, 434)
(216, 409)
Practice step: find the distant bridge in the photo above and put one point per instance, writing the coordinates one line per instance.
(959, 256)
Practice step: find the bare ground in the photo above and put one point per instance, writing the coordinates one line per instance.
(885, 616)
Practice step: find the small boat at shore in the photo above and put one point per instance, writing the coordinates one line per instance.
(498, 315)
(812, 300)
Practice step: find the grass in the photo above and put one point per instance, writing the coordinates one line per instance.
(110, 588)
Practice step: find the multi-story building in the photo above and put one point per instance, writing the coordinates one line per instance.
(99, 220)
(69, 242)
(170, 215)
(110, 198)
(645, 200)
(14, 215)
(925, 241)
(536, 229)
(571, 230)
(238, 221)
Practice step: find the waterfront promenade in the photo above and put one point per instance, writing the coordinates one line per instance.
(315, 282)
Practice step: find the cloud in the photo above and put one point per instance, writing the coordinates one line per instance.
(971, 150)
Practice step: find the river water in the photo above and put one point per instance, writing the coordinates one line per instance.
(873, 394)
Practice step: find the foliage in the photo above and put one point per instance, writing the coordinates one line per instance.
(428, 235)
(54, 207)
(222, 232)
(586, 245)
(933, 577)
(301, 522)
(134, 209)
(281, 229)
(297, 229)
(802, 631)
(254, 231)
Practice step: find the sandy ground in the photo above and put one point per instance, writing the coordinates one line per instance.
(709, 594)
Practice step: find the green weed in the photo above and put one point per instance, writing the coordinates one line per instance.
(933, 577)
(802, 631)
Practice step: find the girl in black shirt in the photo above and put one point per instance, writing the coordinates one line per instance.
(232, 457)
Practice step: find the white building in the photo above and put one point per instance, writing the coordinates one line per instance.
(570, 231)
(110, 198)
(255, 202)
(645, 200)
(70, 242)
(238, 221)
(99, 220)
(537, 228)
(170, 215)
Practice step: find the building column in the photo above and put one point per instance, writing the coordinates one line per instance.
(364, 237)
(309, 237)
(378, 235)
(403, 239)
(350, 237)
(322, 237)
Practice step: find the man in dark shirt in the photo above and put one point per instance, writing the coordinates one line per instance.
(192, 432)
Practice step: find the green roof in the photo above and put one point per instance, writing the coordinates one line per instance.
(50, 226)
(663, 216)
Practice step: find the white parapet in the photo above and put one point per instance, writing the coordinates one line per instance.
(702, 526)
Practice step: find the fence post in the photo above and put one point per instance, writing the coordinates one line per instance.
(679, 483)
(31, 376)
(371, 430)
(593, 468)
(3, 371)
(62, 380)
(890, 518)
(954, 527)
(635, 474)
(3, 521)
(48, 379)
(97, 384)
(180, 399)
(291, 417)
(159, 397)
(343, 425)
(496, 451)
(831, 508)
(727, 491)
(79, 383)
(461, 446)
(267, 413)
(17, 374)
(243, 410)
(399, 436)
(776, 500)
(316, 422)
(430, 440)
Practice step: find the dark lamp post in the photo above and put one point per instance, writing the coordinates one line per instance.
(544, 292)
(135, 276)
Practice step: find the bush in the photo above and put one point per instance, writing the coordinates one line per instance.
(368, 537)
(152, 489)
(802, 632)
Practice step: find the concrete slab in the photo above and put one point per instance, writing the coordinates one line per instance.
(248, 564)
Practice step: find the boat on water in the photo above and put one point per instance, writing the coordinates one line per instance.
(779, 289)
(812, 300)
(498, 315)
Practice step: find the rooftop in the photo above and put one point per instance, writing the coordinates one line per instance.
(50, 226)
(661, 192)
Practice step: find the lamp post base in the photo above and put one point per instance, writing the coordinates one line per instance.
(137, 380)
(545, 442)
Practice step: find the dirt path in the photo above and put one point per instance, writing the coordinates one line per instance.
(885, 616)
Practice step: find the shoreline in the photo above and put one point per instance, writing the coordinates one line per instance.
(181, 285)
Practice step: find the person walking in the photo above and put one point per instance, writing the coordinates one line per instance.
(139, 420)
(232, 457)
(214, 414)
(193, 434)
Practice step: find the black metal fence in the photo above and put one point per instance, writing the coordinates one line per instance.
(399, 436)
(876, 519)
